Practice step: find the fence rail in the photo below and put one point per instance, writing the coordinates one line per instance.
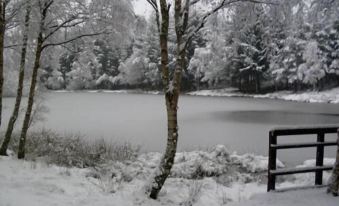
(320, 144)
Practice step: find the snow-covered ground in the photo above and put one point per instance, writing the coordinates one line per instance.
(328, 96)
(215, 177)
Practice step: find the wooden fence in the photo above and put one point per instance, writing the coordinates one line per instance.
(320, 144)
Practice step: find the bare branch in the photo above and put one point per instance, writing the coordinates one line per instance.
(64, 24)
(194, 2)
(73, 39)
(154, 5)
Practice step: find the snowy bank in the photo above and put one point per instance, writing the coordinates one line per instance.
(328, 96)
(215, 177)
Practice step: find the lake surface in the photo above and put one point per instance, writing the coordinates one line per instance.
(242, 124)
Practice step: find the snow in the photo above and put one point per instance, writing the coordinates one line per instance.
(234, 180)
(295, 198)
(328, 96)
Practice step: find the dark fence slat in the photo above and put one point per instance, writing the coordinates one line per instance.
(291, 171)
(319, 159)
(303, 145)
(272, 161)
(320, 144)
(303, 131)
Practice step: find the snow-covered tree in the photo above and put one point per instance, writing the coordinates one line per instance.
(312, 70)
(252, 45)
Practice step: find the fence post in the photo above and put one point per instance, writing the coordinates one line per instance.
(319, 159)
(272, 158)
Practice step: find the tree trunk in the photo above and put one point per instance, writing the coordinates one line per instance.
(38, 51)
(167, 160)
(334, 180)
(172, 88)
(2, 37)
(21, 152)
(16, 109)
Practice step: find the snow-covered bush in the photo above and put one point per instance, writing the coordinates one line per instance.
(194, 193)
(55, 81)
(72, 150)
(135, 70)
(312, 70)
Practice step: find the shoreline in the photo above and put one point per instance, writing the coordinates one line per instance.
(328, 96)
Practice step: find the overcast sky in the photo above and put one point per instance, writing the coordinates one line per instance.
(141, 7)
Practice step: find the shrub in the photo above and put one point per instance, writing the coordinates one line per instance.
(73, 150)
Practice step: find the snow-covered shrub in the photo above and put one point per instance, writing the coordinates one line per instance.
(133, 70)
(194, 193)
(55, 83)
(80, 77)
(72, 150)
(312, 70)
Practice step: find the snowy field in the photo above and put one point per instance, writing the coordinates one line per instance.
(329, 96)
(215, 177)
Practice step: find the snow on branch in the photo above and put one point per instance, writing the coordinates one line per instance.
(155, 6)
(223, 4)
(73, 39)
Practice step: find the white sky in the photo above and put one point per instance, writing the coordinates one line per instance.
(141, 7)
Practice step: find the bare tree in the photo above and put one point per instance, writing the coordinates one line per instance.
(3, 4)
(16, 109)
(172, 80)
(43, 6)
(46, 31)
(3, 25)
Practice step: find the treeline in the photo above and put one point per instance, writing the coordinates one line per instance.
(256, 48)
(290, 45)
(98, 63)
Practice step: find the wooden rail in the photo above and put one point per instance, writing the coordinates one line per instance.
(320, 144)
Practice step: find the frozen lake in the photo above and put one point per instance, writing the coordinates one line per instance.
(240, 123)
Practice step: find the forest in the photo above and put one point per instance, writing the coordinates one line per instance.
(76, 52)
(292, 45)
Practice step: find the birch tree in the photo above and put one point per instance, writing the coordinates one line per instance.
(6, 16)
(16, 109)
(2, 37)
(3, 5)
(184, 32)
(48, 27)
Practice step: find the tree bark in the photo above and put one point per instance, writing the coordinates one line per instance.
(16, 109)
(2, 37)
(172, 86)
(172, 92)
(167, 160)
(334, 179)
(25, 126)
(38, 51)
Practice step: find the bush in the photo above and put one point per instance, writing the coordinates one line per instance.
(73, 150)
